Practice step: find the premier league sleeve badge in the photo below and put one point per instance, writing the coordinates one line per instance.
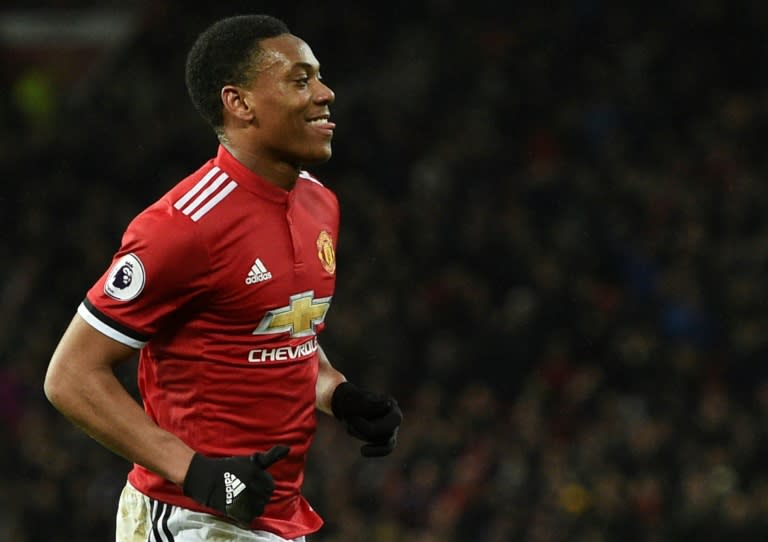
(126, 278)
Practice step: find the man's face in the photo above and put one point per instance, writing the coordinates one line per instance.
(291, 103)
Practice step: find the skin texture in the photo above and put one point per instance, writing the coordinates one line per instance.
(266, 128)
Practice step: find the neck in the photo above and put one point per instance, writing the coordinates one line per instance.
(282, 174)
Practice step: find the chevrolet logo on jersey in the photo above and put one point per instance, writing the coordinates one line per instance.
(299, 318)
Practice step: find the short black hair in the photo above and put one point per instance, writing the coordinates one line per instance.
(222, 55)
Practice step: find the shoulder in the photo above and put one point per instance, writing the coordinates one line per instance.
(200, 193)
(178, 218)
(310, 183)
(188, 205)
(307, 176)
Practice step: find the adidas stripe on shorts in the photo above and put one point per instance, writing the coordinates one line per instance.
(141, 519)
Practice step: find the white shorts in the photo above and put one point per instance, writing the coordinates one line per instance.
(142, 519)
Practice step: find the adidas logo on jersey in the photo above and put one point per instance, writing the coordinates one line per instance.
(232, 487)
(258, 273)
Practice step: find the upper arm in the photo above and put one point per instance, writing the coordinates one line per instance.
(80, 350)
(82, 385)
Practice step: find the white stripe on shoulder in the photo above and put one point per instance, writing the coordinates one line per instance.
(110, 332)
(195, 189)
(210, 189)
(213, 201)
(206, 194)
(306, 175)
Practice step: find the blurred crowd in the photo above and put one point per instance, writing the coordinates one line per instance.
(552, 252)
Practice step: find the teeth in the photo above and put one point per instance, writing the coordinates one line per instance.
(318, 121)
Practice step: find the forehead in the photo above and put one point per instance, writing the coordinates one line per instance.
(283, 52)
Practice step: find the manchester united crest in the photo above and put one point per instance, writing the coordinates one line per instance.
(325, 252)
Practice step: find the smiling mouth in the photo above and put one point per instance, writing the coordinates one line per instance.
(323, 125)
(319, 121)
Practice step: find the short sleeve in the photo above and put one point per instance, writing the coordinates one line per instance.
(159, 270)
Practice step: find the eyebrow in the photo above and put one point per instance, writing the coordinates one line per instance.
(306, 66)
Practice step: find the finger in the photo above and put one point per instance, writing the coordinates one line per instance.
(375, 430)
(385, 408)
(378, 450)
(375, 406)
(265, 459)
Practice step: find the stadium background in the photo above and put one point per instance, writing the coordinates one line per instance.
(553, 251)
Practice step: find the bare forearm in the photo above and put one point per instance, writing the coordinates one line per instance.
(327, 380)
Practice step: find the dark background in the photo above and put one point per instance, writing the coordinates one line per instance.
(553, 252)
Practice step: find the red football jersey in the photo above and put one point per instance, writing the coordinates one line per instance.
(224, 283)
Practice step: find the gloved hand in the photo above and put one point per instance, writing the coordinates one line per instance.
(239, 487)
(369, 416)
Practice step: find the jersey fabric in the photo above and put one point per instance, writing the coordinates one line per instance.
(224, 284)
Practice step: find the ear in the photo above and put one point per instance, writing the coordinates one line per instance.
(236, 103)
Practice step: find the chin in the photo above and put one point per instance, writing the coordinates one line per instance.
(318, 158)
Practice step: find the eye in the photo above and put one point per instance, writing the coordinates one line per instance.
(303, 81)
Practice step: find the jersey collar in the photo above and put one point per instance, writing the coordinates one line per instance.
(248, 179)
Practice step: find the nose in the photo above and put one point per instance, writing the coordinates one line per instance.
(324, 94)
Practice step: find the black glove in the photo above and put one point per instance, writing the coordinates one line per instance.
(239, 487)
(371, 417)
